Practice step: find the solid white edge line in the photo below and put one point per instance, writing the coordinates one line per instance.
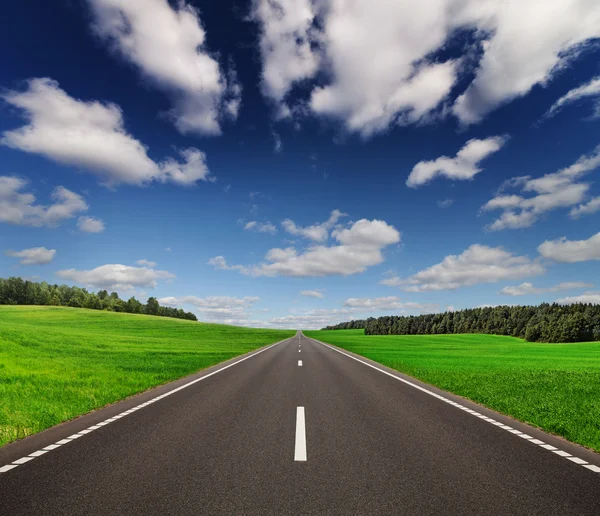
(510, 429)
(300, 448)
(58, 444)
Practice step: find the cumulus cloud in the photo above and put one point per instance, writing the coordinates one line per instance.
(560, 189)
(526, 288)
(588, 297)
(585, 209)
(446, 203)
(571, 251)
(311, 293)
(525, 44)
(477, 264)
(359, 247)
(167, 44)
(376, 64)
(90, 225)
(260, 227)
(222, 309)
(316, 232)
(465, 165)
(91, 135)
(19, 207)
(285, 45)
(116, 276)
(588, 90)
(33, 256)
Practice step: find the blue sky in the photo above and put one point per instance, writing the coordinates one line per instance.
(298, 163)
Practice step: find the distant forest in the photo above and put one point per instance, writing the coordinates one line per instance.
(544, 323)
(16, 291)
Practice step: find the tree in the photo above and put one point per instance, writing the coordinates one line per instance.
(152, 306)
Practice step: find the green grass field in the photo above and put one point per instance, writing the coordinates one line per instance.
(58, 363)
(553, 386)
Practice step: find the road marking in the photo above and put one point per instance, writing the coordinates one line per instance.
(300, 363)
(81, 433)
(299, 351)
(300, 451)
(537, 442)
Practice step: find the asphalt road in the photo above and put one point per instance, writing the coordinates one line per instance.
(268, 436)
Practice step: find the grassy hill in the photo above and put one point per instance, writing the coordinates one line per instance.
(553, 386)
(57, 363)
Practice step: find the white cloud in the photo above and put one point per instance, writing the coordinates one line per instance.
(526, 288)
(90, 225)
(219, 262)
(146, 263)
(552, 191)
(167, 44)
(18, 207)
(585, 209)
(525, 44)
(311, 293)
(376, 64)
(360, 247)
(223, 309)
(588, 297)
(393, 281)
(354, 308)
(364, 305)
(446, 203)
(33, 256)
(571, 251)
(590, 89)
(91, 135)
(318, 318)
(464, 166)
(260, 227)
(477, 264)
(316, 232)
(116, 276)
(375, 56)
(285, 45)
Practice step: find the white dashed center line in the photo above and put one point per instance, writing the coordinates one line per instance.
(300, 363)
(300, 452)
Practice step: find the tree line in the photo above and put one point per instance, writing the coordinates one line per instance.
(578, 322)
(16, 291)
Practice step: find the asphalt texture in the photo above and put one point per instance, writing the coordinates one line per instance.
(226, 445)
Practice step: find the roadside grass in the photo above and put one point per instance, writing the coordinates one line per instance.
(57, 363)
(555, 387)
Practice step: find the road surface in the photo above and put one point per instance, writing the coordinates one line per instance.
(297, 428)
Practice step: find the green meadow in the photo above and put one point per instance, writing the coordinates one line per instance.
(552, 386)
(57, 363)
